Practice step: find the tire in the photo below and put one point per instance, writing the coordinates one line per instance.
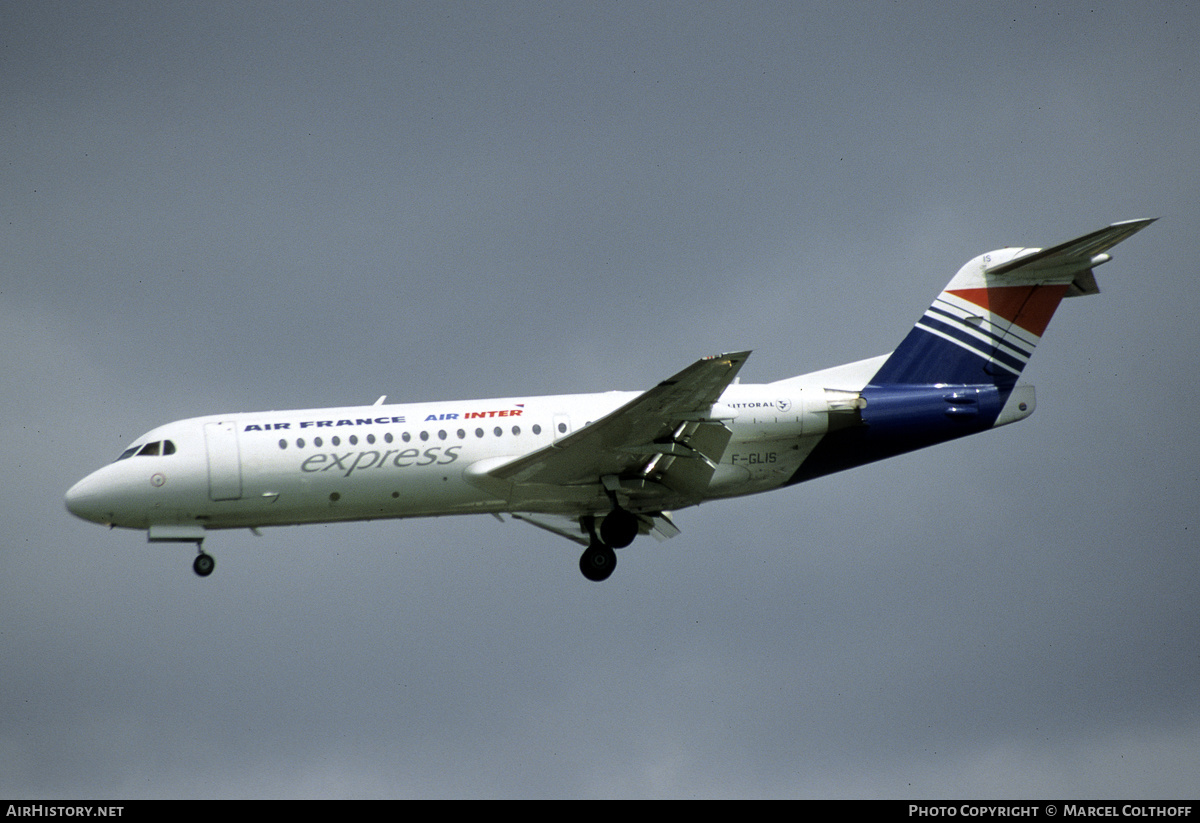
(203, 564)
(598, 562)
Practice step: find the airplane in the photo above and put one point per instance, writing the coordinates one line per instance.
(603, 469)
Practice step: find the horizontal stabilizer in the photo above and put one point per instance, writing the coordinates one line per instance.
(1076, 255)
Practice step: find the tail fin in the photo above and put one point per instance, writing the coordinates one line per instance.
(982, 329)
(955, 373)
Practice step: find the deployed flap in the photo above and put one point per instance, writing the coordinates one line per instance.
(658, 524)
(561, 525)
(654, 424)
(1076, 255)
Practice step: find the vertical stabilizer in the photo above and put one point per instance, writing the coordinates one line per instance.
(983, 328)
(956, 372)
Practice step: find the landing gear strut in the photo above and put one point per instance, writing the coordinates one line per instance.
(194, 534)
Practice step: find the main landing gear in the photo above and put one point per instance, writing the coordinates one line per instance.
(597, 561)
(617, 530)
(203, 564)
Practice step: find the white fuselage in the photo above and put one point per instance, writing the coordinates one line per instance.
(411, 460)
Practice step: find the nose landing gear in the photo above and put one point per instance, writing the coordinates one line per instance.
(203, 564)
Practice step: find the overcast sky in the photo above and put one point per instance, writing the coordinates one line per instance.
(224, 207)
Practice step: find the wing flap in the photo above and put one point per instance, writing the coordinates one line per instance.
(657, 524)
(567, 527)
(692, 459)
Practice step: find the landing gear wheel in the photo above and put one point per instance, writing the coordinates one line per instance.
(203, 564)
(618, 528)
(598, 562)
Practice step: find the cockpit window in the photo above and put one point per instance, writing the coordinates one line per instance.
(155, 449)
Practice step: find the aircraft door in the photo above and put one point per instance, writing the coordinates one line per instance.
(224, 461)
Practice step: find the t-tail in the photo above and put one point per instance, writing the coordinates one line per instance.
(956, 372)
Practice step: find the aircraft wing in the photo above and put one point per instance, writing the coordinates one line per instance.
(1076, 255)
(667, 434)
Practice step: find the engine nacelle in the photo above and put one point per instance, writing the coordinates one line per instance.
(778, 411)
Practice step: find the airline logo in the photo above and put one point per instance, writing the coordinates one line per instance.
(349, 463)
(474, 415)
(782, 404)
(1002, 324)
(377, 421)
(323, 424)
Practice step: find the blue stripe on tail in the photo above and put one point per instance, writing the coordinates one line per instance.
(927, 357)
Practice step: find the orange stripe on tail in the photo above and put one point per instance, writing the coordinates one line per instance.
(1030, 307)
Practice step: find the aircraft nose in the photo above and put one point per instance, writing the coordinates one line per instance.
(87, 500)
